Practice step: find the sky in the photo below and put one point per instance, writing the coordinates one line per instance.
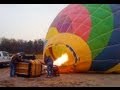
(27, 21)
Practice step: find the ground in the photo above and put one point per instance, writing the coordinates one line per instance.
(64, 80)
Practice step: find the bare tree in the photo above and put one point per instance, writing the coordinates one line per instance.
(14, 46)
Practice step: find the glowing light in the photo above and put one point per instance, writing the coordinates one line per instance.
(61, 60)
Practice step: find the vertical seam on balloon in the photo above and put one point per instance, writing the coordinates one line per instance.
(102, 21)
(72, 21)
(87, 18)
(98, 23)
(99, 36)
(63, 23)
(74, 54)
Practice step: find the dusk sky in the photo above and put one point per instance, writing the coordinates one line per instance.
(27, 21)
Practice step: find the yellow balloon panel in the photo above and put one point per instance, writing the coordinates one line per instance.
(115, 69)
(80, 48)
(58, 50)
(47, 52)
(51, 32)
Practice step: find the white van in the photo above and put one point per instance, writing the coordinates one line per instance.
(4, 58)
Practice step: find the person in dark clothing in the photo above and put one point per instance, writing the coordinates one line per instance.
(14, 60)
(49, 63)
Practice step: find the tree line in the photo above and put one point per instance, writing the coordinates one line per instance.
(14, 46)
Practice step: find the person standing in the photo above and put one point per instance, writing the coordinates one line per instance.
(49, 63)
(15, 58)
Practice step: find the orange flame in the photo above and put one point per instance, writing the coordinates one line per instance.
(61, 60)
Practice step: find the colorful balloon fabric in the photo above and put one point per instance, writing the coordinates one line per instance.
(90, 36)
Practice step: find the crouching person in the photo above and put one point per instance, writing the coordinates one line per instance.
(14, 60)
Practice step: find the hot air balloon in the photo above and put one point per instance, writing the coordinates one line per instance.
(85, 38)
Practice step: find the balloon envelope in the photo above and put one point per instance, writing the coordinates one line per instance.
(85, 37)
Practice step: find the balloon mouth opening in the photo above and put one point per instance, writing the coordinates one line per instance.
(61, 60)
(69, 52)
(63, 56)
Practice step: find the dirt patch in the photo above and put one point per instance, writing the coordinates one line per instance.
(64, 80)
